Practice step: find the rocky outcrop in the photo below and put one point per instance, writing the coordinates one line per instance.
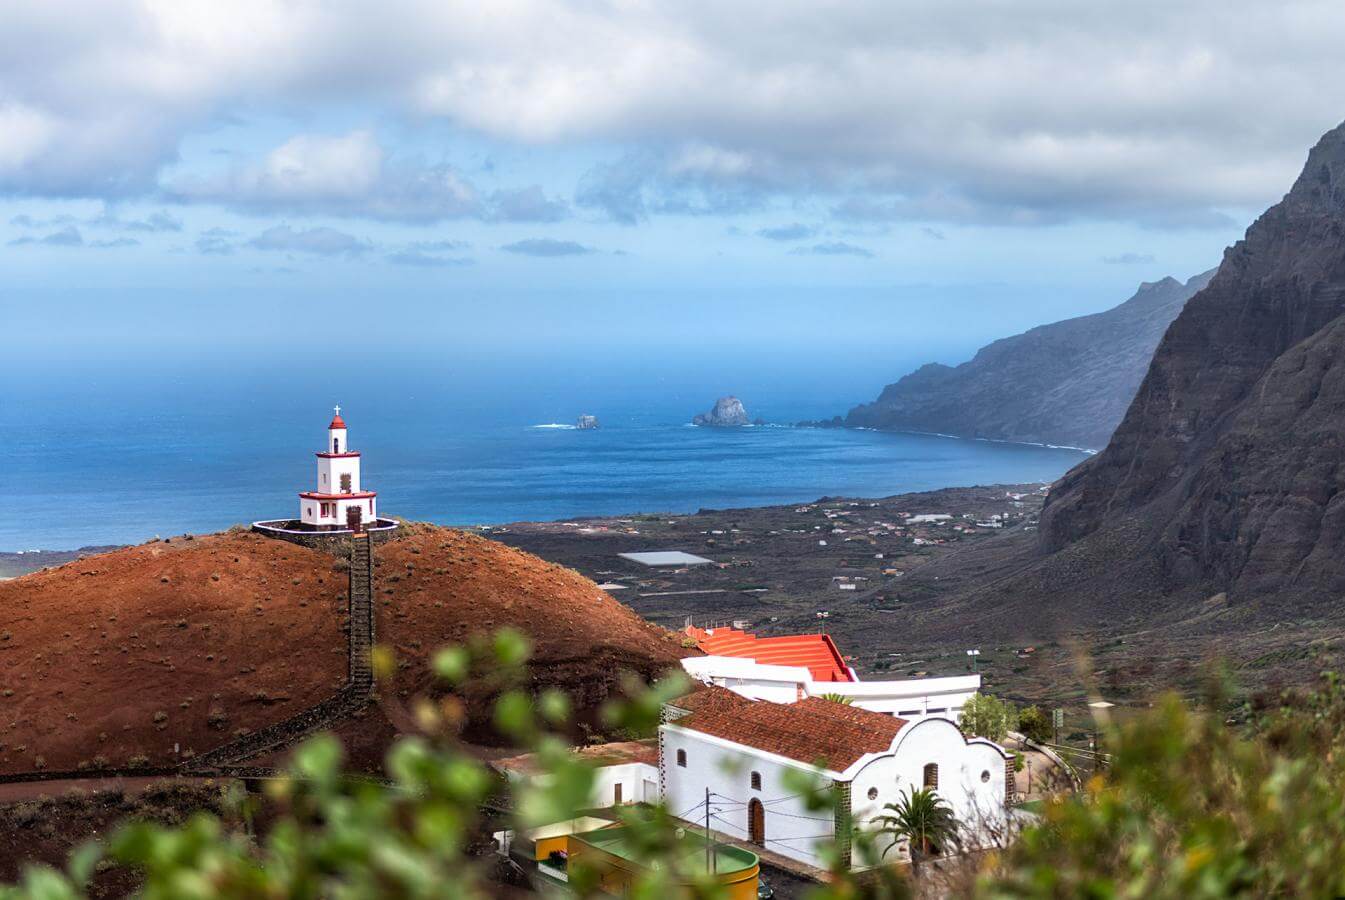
(1068, 383)
(727, 412)
(1228, 471)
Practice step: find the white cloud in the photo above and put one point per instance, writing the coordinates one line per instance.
(547, 247)
(1030, 112)
(346, 175)
(320, 241)
(832, 248)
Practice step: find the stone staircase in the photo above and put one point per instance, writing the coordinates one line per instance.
(354, 695)
(361, 596)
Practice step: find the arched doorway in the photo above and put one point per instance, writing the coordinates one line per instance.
(756, 822)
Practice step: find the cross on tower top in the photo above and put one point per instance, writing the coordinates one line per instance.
(337, 409)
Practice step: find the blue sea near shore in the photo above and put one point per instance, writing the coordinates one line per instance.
(98, 454)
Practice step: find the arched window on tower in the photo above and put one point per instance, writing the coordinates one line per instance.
(336, 445)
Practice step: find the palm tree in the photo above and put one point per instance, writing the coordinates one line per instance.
(837, 698)
(923, 818)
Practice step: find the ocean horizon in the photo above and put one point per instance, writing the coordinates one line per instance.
(123, 455)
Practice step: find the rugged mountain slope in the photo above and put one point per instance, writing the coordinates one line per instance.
(1067, 383)
(127, 654)
(1227, 472)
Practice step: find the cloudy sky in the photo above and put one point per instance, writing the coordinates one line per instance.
(925, 173)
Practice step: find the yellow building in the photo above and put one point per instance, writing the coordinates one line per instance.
(611, 854)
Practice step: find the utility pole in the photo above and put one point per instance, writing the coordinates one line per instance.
(707, 830)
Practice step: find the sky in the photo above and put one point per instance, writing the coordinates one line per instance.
(199, 179)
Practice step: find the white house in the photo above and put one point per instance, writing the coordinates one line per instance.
(794, 667)
(624, 773)
(741, 752)
(338, 500)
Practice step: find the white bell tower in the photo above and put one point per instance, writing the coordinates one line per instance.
(338, 501)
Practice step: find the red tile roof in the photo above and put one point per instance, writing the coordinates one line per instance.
(817, 652)
(811, 731)
(337, 422)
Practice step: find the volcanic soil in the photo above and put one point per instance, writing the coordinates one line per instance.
(150, 654)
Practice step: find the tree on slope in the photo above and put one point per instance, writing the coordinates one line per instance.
(984, 716)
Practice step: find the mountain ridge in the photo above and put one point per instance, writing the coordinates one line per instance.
(1232, 457)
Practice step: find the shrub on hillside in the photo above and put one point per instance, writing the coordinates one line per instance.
(1193, 806)
(1034, 724)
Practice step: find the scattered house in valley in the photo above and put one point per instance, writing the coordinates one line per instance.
(790, 668)
(741, 753)
(656, 558)
(929, 519)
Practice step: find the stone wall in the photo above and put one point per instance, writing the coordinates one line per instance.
(337, 543)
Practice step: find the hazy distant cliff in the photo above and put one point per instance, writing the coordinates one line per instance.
(1067, 383)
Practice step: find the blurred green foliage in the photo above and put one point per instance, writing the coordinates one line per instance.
(1196, 805)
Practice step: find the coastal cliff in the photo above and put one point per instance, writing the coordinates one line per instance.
(1067, 383)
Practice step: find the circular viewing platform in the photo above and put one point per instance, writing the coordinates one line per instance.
(329, 539)
(294, 526)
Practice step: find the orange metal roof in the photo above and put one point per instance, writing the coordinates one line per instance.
(815, 651)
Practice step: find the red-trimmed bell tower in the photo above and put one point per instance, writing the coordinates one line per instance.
(339, 498)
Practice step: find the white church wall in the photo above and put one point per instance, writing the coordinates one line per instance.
(970, 779)
(791, 829)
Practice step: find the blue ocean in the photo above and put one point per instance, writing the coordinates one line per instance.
(118, 453)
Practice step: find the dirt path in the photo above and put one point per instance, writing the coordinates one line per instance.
(34, 790)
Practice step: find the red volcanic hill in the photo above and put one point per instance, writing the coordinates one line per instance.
(152, 654)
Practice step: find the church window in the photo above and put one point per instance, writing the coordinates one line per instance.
(682, 758)
(756, 781)
(932, 776)
(336, 445)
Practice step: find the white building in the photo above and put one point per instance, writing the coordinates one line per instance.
(624, 773)
(339, 500)
(791, 668)
(743, 751)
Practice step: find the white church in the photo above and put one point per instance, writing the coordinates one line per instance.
(338, 502)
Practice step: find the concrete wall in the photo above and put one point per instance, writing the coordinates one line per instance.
(911, 699)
